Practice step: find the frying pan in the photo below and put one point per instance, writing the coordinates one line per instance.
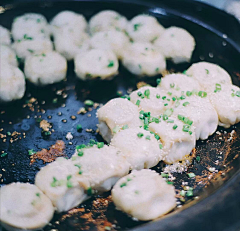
(215, 204)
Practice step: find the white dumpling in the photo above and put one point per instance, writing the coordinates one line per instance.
(30, 26)
(201, 112)
(140, 148)
(178, 138)
(12, 83)
(144, 195)
(178, 84)
(70, 20)
(151, 99)
(107, 20)
(24, 207)
(70, 43)
(143, 59)
(96, 63)
(59, 181)
(46, 68)
(25, 48)
(101, 166)
(7, 56)
(208, 74)
(116, 115)
(110, 40)
(144, 28)
(225, 98)
(5, 37)
(176, 44)
(233, 7)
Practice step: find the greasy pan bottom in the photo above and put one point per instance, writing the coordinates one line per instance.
(216, 41)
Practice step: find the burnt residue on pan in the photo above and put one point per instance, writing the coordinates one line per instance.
(46, 115)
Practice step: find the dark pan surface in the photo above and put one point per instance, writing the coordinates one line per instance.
(217, 42)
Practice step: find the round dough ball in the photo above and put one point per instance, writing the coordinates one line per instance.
(70, 20)
(110, 40)
(107, 20)
(233, 7)
(177, 141)
(59, 180)
(208, 74)
(46, 68)
(12, 83)
(139, 147)
(5, 37)
(144, 195)
(226, 102)
(201, 112)
(71, 42)
(24, 207)
(7, 56)
(176, 44)
(144, 28)
(116, 115)
(25, 48)
(102, 166)
(151, 99)
(96, 63)
(178, 84)
(30, 26)
(143, 59)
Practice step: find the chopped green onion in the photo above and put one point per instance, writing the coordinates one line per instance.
(160, 146)
(89, 191)
(80, 153)
(182, 97)
(111, 63)
(168, 112)
(165, 117)
(157, 136)
(138, 102)
(3, 154)
(100, 144)
(188, 93)
(88, 102)
(175, 126)
(182, 193)
(158, 81)
(136, 26)
(207, 71)
(164, 175)
(186, 128)
(174, 98)
(172, 85)
(164, 97)
(81, 146)
(31, 152)
(202, 94)
(140, 135)
(139, 94)
(79, 127)
(158, 96)
(123, 185)
(189, 193)
(147, 93)
(147, 138)
(185, 104)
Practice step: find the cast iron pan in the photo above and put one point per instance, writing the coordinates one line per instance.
(217, 205)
